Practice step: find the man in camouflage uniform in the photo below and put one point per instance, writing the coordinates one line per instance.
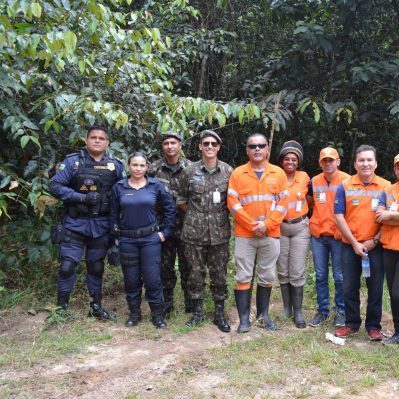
(168, 170)
(206, 228)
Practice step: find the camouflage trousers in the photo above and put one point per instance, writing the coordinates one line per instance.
(170, 248)
(216, 258)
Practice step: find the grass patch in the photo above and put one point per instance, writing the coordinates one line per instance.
(19, 351)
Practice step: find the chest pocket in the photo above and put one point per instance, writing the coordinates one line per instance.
(197, 192)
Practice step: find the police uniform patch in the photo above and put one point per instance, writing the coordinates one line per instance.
(61, 167)
(111, 166)
(83, 188)
(355, 202)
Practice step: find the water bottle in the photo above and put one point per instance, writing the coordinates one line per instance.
(365, 265)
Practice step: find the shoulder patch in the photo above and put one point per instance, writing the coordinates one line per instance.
(61, 166)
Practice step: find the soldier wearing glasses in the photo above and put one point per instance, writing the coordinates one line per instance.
(206, 228)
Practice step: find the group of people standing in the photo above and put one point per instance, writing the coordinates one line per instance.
(175, 208)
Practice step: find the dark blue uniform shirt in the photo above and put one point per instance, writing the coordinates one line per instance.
(88, 226)
(133, 209)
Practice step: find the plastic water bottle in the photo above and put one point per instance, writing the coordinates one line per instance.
(365, 265)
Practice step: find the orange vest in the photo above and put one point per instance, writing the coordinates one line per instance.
(322, 222)
(251, 199)
(359, 201)
(390, 234)
(297, 193)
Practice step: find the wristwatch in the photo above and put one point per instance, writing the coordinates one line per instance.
(376, 241)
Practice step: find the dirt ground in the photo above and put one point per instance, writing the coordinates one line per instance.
(143, 363)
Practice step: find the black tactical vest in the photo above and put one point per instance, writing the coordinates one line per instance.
(93, 176)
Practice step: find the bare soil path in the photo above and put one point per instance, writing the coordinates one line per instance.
(146, 363)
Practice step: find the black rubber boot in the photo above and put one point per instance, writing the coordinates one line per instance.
(63, 300)
(219, 318)
(95, 307)
(286, 296)
(262, 307)
(198, 316)
(157, 315)
(167, 301)
(243, 302)
(297, 299)
(135, 314)
(188, 303)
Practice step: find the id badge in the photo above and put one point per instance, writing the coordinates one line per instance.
(394, 207)
(374, 204)
(298, 206)
(322, 198)
(216, 197)
(273, 206)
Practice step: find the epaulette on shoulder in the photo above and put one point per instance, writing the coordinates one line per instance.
(75, 154)
(112, 157)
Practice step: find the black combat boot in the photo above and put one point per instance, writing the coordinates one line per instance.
(262, 307)
(219, 318)
(95, 307)
(198, 316)
(167, 301)
(62, 301)
(286, 296)
(135, 314)
(157, 315)
(243, 302)
(297, 299)
(188, 303)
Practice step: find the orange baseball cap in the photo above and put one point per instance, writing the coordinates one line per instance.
(328, 152)
(396, 160)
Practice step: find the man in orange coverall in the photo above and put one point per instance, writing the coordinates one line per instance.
(257, 198)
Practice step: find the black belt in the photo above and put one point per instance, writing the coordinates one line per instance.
(136, 233)
(294, 221)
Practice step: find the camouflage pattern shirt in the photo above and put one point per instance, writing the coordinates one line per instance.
(169, 175)
(207, 219)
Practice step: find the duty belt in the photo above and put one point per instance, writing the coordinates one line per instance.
(136, 233)
(294, 221)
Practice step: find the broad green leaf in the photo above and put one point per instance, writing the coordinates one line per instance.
(155, 34)
(36, 141)
(70, 40)
(48, 124)
(24, 141)
(241, 114)
(36, 9)
(316, 111)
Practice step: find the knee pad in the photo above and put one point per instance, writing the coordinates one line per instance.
(67, 268)
(96, 268)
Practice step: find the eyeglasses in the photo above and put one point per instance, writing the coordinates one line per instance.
(254, 146)
(214, 144)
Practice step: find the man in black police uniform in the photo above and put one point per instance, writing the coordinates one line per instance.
(83, 182)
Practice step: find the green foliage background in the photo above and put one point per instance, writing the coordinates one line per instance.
(143, 67)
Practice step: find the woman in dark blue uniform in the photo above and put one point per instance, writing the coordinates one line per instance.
(134, 204)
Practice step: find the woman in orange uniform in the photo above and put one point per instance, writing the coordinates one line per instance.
(388, 214)
(294, 240)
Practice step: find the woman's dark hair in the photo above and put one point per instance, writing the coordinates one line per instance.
(137, 154)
